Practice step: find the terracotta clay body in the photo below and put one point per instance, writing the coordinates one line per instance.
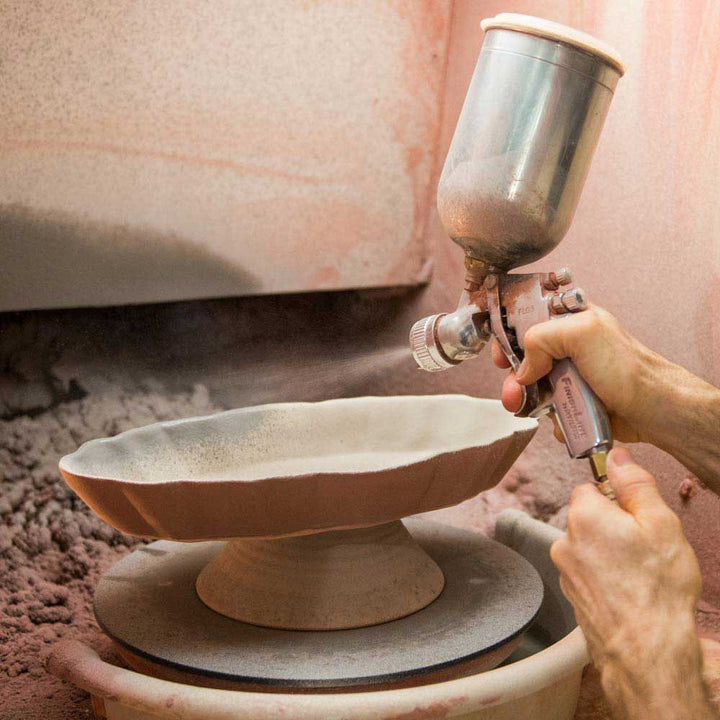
(327, 581)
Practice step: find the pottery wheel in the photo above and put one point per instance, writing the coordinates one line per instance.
(148, 604)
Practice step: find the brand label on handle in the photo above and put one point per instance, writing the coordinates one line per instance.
(572, 413)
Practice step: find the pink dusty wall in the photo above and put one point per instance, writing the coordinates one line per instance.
(175, 150)
(645, 242)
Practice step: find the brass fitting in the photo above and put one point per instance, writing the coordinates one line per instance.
(476, 270)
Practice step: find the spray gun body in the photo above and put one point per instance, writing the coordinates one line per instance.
(505, 306)
(508, 191)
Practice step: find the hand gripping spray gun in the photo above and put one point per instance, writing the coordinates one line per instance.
(508, 191)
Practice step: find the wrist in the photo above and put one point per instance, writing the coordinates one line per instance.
(660, 680)
(655, 389)
(659, 697)
(672, 401)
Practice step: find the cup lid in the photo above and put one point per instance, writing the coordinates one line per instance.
(556, 31)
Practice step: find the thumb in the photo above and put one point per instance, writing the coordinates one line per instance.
(634, 487)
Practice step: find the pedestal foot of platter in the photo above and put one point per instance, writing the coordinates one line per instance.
(326, 581)
(434, 661)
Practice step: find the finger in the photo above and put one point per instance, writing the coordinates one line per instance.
(634, 487)
(539, 354)
(567, 588)
(557, 432)
(512, 394)
(554, 340)
(589, 511)
(560, 552)
(570, 591)
(498, 356)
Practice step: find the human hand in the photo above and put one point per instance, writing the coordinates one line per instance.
(611, 361)
(633, 581)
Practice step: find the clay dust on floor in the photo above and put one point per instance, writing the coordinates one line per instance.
(53, 548)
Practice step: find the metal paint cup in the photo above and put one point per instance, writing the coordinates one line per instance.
(525, 139)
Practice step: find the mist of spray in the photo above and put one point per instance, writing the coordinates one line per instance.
(280, 379)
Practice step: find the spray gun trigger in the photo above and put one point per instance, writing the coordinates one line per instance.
(504, 337)
(545, 404)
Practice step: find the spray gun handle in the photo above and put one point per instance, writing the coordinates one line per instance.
(581, 415)
(507, 306)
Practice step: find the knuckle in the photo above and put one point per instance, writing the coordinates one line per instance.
(579, 518)
(666, 521)
(565, 587)
(601, 314)
(579, 499)
(605, 319)
(590, 325)
(531, 339)
(559, 551)
(635, 480)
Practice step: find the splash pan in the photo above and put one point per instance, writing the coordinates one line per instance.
(540, 680)
(297, 468)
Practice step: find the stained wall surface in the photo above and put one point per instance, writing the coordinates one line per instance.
(644, 244)
(165, 151)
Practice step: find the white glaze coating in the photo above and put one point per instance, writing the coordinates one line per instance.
(294, 439)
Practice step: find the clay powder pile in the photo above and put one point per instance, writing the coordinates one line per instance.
(53, 548)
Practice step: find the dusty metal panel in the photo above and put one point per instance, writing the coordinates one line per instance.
(159, 151)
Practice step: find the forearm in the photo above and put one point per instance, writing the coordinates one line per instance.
(666, 685)
(682, 417)
(680, 699)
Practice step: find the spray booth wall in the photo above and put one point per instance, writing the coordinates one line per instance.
(644, 243)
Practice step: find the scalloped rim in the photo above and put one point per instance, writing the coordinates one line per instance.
(66, 463)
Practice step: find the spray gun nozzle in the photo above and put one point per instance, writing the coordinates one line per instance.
(442, 341)
(425, 347)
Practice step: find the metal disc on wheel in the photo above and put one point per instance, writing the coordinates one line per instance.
(148, 604)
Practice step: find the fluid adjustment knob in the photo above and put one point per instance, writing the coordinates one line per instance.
(563, 276)
(556, 279)
(425, 347)
(572, 301)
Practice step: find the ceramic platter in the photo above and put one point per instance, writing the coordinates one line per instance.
(297, 468)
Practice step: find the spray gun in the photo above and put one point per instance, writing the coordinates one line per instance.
(507, 194)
